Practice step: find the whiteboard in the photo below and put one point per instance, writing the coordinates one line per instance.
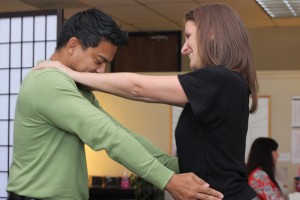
(258, 123)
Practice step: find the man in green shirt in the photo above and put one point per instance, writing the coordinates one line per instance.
(55, 118)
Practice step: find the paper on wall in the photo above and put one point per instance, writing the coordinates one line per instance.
(296, 112)
(296, 146)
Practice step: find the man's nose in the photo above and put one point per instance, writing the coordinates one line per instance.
(101, 69)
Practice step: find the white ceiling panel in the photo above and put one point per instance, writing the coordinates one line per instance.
(287, 22)
(100, 3)
(174, 12)
(246, 10)
(260, 23)
(162, 1)
(14, 5)
(70, 11)
(54, 4)
(159, 27)
(134, 14)
(139, 15)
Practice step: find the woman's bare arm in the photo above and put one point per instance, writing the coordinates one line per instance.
(153, 89)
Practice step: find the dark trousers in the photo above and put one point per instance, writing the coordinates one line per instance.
(12, 196)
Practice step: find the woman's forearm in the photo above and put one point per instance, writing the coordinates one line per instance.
(120, 84)
(162, 89)
(157, 89)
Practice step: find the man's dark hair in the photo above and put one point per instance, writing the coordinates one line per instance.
(91, 27)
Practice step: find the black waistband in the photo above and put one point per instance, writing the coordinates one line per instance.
(12, 196)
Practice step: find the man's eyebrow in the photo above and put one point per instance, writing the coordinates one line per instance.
(102, 57)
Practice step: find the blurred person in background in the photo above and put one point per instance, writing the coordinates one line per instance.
(261, 168)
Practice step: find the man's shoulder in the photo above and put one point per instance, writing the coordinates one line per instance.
(49, 77)
(50, 72)
(90, 96)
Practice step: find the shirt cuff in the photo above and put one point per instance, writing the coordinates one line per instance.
(159, 176)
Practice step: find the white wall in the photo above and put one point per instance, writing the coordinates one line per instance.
(281, 86)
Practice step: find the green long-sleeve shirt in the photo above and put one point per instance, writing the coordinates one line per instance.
(53, 121)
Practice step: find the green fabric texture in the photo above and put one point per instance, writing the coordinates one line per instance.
(53, 122)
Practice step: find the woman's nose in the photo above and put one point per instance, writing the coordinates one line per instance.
(184, 49)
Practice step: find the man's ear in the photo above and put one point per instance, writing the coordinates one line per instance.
(72, 45)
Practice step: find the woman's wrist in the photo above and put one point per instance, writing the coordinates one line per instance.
(75, 75)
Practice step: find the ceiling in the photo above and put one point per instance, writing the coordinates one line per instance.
(151, 15)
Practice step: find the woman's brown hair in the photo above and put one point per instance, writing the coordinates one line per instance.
(223, 40)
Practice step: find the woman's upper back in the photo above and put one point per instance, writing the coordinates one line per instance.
(263, 185)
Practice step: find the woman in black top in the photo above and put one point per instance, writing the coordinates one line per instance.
(211, 132)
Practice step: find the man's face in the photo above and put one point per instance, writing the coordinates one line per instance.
(91, 59)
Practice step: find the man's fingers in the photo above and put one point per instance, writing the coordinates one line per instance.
(209, 193)
(207, 197)
(205, 192)
(190, 186)
(200, 181)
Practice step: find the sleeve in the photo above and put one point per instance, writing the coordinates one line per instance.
(261, 183)
(171, 162)
(167, 160)
(59, 103)
(201, 88)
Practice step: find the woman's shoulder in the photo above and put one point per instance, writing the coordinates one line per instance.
(217, 76)
(258, 172)
(262, 184)
(213, 68)
(219, 71)
(259, 175)
(208, 71)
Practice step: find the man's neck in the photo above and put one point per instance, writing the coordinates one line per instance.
(59, 56)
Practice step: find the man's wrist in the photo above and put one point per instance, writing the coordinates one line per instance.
(159, 175)
(170, 184)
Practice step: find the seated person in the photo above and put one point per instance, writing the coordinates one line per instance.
(261, 169)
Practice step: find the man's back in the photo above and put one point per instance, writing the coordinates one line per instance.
(45, 155)
(54, 119)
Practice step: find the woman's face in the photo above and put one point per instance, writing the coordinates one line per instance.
(190, 46)
(275, 156)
